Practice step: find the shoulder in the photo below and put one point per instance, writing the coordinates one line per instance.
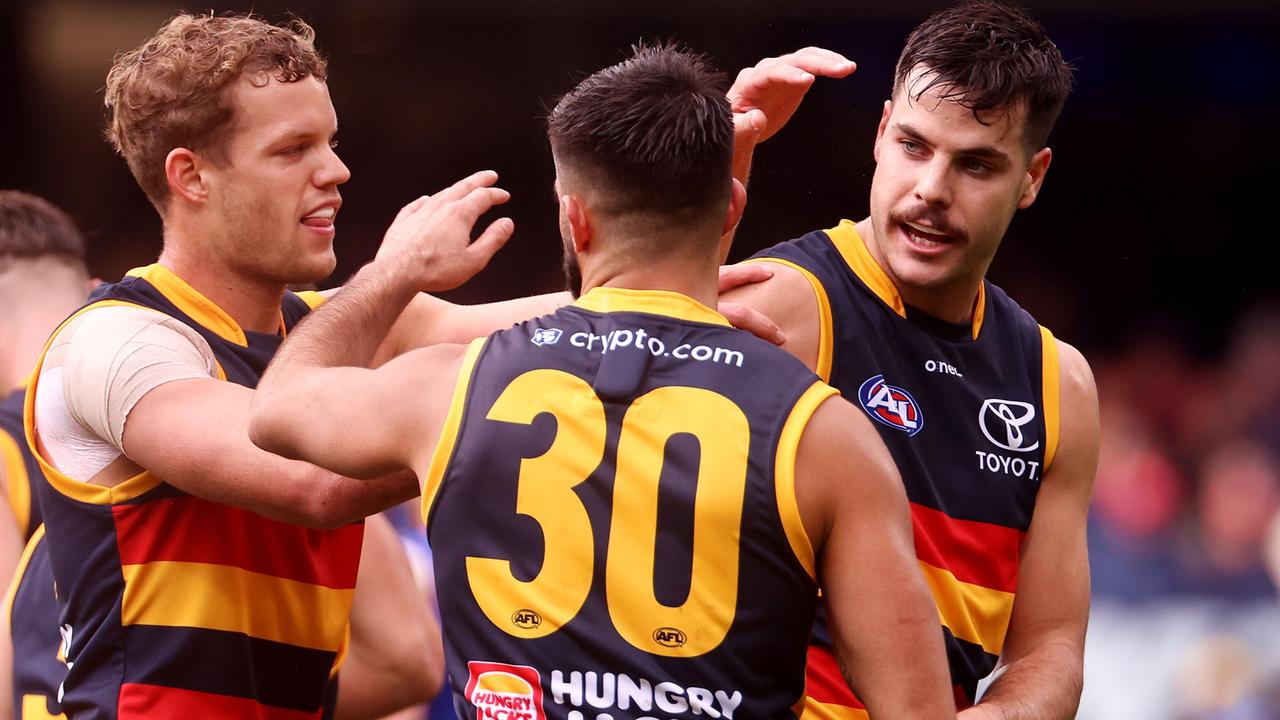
(102, 335)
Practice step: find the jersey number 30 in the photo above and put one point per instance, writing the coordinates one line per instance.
(538, 607)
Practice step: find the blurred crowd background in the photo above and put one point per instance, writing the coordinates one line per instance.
(1149, 248)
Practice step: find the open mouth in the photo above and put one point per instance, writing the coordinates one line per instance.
(925, 238)
(321, 218)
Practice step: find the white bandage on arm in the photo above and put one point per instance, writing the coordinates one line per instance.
(97, 368)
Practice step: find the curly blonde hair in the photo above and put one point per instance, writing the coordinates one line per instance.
(171, 91)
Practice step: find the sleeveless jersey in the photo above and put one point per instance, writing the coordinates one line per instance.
(38, 663)
(32, 606)
(612, 510)
(176, 606)
(970, 416)
(21, 471)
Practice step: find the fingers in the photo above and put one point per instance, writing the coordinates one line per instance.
(484, 178)
(749, 123)
(492, 239)
(732, 276)
(479, 200)
(753, 321)
(820, 61)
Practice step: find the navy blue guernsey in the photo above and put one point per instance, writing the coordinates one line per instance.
(177, 606)
(612, 510)
(38, 663)
(21, 470)
(969, 414)
(32, 606)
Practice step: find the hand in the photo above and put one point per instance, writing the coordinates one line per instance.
(429, 242)
(742, 316)
(765, 96)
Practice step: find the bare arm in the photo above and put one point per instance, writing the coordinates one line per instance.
(395, 659)
(882, 618)
(1042, 665)
(194, 434)
(787, 299)
(317, 402)
(428, 320)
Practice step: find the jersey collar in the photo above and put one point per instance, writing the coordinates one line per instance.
(854, 250)
(655, 302)
(195, 305)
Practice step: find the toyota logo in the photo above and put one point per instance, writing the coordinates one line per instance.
(1002, 420)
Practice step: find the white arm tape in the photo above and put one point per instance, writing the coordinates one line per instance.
(111, 357)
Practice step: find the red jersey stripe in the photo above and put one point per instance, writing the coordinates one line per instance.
(189, 529)
(977, 553)
(155, 702)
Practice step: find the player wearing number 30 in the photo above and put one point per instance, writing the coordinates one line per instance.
(632, 504)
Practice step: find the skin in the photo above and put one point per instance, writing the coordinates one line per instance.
(317, 388)
(390, 665)
(238, 230)
(959, 182)
(280, 168)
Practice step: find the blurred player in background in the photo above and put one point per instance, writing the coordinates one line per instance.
(678, 495)
(191, 579)
(992, 422)
(42, 280)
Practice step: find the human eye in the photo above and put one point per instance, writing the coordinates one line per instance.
(910, 147)
(976, 167)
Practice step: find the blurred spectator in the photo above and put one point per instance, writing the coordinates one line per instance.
(1239, 486)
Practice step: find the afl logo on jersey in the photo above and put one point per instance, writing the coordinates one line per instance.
(526, 619)
(669, 637)
(1002, 420)
(890, 405)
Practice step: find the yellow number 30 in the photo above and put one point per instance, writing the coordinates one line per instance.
(538, 607)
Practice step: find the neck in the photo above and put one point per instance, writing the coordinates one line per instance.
(696, 279)
(953, 301)
(254, 303)
(25, 334)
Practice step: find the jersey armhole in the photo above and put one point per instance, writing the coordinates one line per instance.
(1049, 394)
(443, 453)
(784, 473)
(826, 329)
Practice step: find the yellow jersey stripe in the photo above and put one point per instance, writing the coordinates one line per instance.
(973, 613)
(1049, 399)
(826, 328)
(784, 474)
(449, 432)
(203, 595)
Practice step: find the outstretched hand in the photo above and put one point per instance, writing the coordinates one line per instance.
(765, 96)
(430, 239)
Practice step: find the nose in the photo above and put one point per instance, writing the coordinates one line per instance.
(933, 186)
(332, 171)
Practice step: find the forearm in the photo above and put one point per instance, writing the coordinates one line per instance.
(1043, 685)
(347, 329)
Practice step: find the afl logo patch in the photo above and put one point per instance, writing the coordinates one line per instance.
(669, 637)
(890, 405)
(1002, 422)
(526, 619)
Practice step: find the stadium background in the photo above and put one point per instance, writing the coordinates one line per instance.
(1149, 249)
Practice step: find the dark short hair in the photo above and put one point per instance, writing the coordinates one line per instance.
(990, 57)
(32, 227)
(655, 129)
(171, 91)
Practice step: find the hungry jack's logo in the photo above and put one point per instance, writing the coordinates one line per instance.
(504, 692)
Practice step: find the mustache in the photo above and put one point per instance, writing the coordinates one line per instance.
(925, 215)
